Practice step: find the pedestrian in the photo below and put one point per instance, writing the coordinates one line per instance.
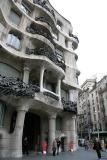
(86, 144)
(106, 147)
(54, 147)
(58, 145)
(44, 147)
(25, 146)
(97, 147)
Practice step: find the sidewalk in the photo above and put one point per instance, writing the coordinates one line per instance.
(81, 154)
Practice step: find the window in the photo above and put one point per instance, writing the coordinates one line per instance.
(66, 42)
(98, 107)
(97, 99)
(94, 109)
(25, 8)
(58, 123)
(94, 117)
(60, 56)
(13, 41)
(2, 113)
(14, 17)
(59, 25)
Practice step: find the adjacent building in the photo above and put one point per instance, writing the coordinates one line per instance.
(93, 109)
(38, 77)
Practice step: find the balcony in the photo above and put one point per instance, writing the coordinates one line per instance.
(69, 106)
(45, 20)
(43, 51)
(50, 94)
(34, 29)
(75, 41)
(43, 4)
(16, 87)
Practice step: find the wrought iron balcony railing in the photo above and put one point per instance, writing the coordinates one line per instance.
(16, 87)
(43, 4)
(69, 106)
(34, 29)
(51, 55)
(46, 20)
(72, 35)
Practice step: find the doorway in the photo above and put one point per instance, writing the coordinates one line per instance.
(31, 130)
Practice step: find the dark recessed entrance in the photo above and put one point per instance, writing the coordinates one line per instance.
(31, 130)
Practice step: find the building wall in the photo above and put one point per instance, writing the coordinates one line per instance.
(38, 76)
(96, 101)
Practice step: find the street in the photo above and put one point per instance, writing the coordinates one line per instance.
(81, 154)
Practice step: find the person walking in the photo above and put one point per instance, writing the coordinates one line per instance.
(58, 145)
(54, 147)
(25, 146)
(97, 147)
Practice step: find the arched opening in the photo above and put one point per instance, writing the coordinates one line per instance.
(31, 130)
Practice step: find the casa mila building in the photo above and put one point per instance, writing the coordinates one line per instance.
(38, 77)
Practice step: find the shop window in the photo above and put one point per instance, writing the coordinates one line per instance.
(2, 113)
(14, 17)
(13, 41)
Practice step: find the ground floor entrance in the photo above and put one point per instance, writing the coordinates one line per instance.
(31, 130)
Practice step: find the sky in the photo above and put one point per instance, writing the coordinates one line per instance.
(89, 21)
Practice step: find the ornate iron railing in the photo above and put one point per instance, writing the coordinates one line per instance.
(72, 35)
(69, 106)
(16, 87)
(46, 20)
(43, 4)
(34, 29)
(51, 55)
(51, 95)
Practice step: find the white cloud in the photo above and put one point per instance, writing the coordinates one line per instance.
(89, 21)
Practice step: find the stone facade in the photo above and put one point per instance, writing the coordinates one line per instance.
(38, 77)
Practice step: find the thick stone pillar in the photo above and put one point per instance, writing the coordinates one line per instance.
(16, 141)
(52, 128)
(74, 132)
(26, 75)
(59, 88)
(69, 129)
(41, 78)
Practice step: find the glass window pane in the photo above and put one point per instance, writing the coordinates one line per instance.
(14, 17)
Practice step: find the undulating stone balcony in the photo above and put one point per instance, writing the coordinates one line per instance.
(51, 55)
(34, 29)
(16, 87)
(69, 106)
(43, 4)
(49, 94)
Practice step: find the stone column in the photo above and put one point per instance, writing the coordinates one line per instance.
(59, 88)
(69, 129)
(41, 78)
(52, 128)
(74, 132)
(26, 75)
(16, 141)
